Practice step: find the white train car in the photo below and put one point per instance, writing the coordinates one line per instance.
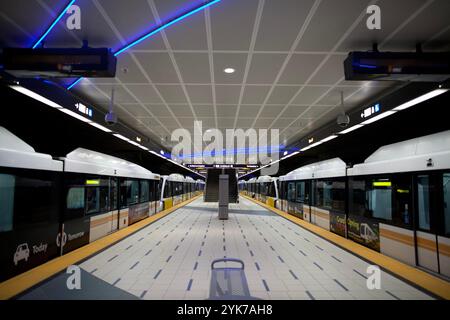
(402, 192)
(105, 193)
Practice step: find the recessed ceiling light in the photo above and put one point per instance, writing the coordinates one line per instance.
(229, 70)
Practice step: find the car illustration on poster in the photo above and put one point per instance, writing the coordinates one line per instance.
(22, 253)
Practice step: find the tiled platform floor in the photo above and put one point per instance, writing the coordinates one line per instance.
(171, 259)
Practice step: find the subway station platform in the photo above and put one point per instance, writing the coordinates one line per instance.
(171, 259)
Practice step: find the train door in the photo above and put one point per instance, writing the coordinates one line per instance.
(114, 203)
(444, 237)
(433, 222)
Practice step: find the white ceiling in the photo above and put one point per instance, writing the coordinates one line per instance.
(288, 56)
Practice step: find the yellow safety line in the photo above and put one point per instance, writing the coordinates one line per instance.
(14, 286)
(430, 283)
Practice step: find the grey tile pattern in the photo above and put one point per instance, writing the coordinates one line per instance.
(282, 260)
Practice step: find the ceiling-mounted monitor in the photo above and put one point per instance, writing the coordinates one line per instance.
(57, 63)
(398, 66)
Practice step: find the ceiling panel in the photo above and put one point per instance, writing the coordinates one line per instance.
(248, 111)
(181, 110)
(329, 24)
(188, 35)
(411, 34)
(128, 71)
(255, 94)
(236, 61)
(194, 67)
(172, 94)
(244, 123)
(145, 93)
(227, 94)
(200, 93)
(204, 111)
(393, 14)
(293, 111)
(309, 95)
(282, 95)
(232, 24)
(300, 67)
(315, 112)
(226, 111)
(159, 110)
(158, 67)
(330, 72)
(281, 22)
(124, 18)
(271, 111)
(334, 96)
(265, 67)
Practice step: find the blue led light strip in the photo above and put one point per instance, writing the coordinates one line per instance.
(164, 26)
(53, 24)
(74, 83)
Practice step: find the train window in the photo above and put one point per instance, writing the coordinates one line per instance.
(401, 185)
(34, 198)
(167, 189)
(75, 198)
(144, 191)
(291, 192)
(300, 198)
(132, 192)
(92, 200)
(123, 193)
(323, 194)
(446, 189)
(357, 196)
(113, 194)
(104, 198)
(379, 199)
(423, 201)
(7, 183)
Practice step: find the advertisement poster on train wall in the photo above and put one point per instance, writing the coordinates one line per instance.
(75, 234)
(296, 209)
(364, 231)
(138, 212)
(27, 248)
(338, 223)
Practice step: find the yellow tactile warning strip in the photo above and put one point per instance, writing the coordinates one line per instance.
(422, 279)
(14, 286)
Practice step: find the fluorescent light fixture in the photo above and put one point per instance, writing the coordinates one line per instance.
(75, 115)
(121, 137)
(329, 138)
(420, 99)
(133, 143)
(143, 148)
(162, 152)
(355, 127)
(53, 24)
(290, 155)
(229, 70)
(164, 26)
(74, 83)
(311, 146)
(36, 96)
(99, 126)
(379, 117)
(285, 153)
